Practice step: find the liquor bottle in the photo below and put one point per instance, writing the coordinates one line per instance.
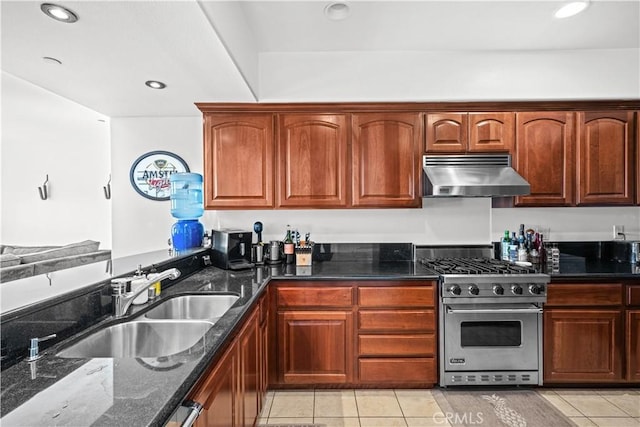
(289, 247)
(504, 246)
(513, 248)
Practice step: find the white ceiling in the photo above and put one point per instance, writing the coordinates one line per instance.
(209, 50)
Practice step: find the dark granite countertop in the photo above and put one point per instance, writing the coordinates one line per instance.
(146, 391)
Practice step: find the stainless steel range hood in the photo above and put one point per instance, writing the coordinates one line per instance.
(471, 175)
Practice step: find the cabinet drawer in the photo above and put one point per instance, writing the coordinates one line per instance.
(397, 345)
(334, 296)
(398, 370)
(633, 295)
(396, 296)
(397, 320)
(584, 294)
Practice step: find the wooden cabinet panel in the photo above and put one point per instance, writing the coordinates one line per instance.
(217, 393)
(238, 160)
(605, 158)
(633, 345)
(248, 342)
(545, 157)
(396, 296)
(315, 347)
(446, 133)
(633, 295)
(396, 320)
(312, 161)
(583, 345)
(311, 296)
(397, 370)
(386, 160)
(397, 345)
(601, 294)
(491, 132)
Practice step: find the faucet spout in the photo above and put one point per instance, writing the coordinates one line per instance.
(122, 301)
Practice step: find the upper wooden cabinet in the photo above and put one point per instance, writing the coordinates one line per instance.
(605, 158)
(386, 159)
(545, 157)
(238, 161)
(312, 161)
(470, 132)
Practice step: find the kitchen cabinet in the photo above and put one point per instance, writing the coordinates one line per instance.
(263, 349)
(230, 390)
(397, 334)
(583, 333)
(605, 173)
(386, 160)
(238, 160)
(365, 333)
(312, 168)
(632, 336)
(218, 391)
(314, 334)
(470, 132)
(545, 157)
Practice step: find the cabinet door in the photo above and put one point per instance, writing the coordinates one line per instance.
(446, 133)
(315, 347)
(386, 160)
(545, 157)
(605, 158)
(249, 378)
(217, 393)
(491, 132)
(238, 160)
(582, 346)
(633, 345)
(312, 161)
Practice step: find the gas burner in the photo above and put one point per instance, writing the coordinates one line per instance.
(474, 266)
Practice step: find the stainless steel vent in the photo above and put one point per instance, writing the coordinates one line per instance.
(471, 175)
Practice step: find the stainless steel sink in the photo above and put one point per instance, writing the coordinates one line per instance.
(193, 307)
(140, 339)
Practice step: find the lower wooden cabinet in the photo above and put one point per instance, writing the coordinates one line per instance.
(315, 347)
(633, 345)
(232, 391)
(369, 333)
(583, 345)
(217, 392)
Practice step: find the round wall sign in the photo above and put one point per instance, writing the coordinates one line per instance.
(150, 174)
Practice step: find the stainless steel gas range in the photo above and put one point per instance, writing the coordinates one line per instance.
(490, 318)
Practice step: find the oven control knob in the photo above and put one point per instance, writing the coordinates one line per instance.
(536, 289)
(473, 290)
(516, 289)
(455, 290)
(498, 290)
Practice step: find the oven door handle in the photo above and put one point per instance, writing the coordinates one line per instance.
(496, 310)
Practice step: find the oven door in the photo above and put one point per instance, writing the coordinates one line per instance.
(492, 337)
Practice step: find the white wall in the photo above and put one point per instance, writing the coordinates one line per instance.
(43, 133)
(140, 224)
(450, 76)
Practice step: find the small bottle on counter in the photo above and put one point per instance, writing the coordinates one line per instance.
(504, 246)
(289, 247)
(513, 248)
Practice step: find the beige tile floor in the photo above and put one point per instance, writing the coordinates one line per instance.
(418, 408)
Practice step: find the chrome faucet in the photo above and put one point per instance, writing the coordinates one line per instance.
(122, 299)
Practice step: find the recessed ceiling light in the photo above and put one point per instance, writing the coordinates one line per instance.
(571, 9)
(51, 60)
(154, 84)
(59, 13)
(337, 11)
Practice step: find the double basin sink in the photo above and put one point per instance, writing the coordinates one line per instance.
(174, 326)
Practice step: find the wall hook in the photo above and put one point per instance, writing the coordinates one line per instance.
(44, 194)
(107, 189)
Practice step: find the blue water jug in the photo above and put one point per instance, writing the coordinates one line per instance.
(187, 234)
(186, 195)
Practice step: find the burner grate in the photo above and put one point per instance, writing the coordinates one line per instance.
(474, 266)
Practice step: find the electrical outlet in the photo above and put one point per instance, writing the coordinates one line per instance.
(618, 230)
